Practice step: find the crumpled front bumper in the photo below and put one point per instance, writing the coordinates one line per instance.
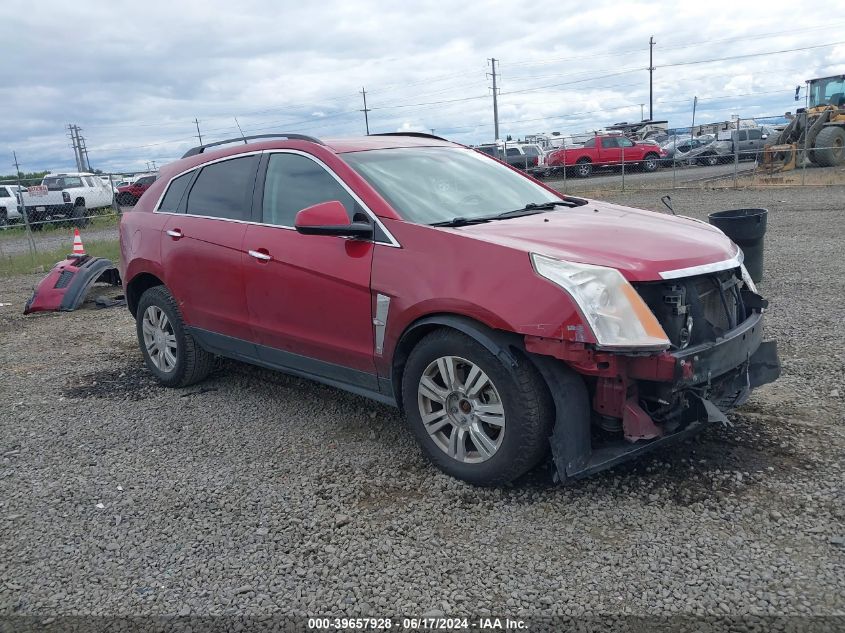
(711, 378)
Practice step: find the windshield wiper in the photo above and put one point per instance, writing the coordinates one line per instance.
(461, 221)
(534, 207)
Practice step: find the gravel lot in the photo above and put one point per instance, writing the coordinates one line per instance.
(257, 493)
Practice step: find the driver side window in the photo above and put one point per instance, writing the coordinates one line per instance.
(294, 182)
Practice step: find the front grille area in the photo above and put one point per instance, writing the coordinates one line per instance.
(697, 309)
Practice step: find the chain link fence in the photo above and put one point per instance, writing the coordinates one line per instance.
(42, 208)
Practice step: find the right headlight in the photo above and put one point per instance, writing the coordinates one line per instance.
(617, 315)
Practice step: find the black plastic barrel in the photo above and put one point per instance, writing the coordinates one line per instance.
(746, 227)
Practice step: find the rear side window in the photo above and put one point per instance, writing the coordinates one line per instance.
(530, 150)
(174, 194)
(293, 183)
(4, 193)
(224, 189)
(609, 142)
(590, 143)
(513, 151)
(755, 135)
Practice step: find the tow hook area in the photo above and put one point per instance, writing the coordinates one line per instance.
(637, 424)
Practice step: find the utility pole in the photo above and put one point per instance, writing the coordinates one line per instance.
(495, 100)
(365, 111)
(199, 134)
(77, 150)
(692, 127)
(651, 78)
(23, 206)
(83, 152)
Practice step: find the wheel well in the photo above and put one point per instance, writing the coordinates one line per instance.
(507, 347)
(584, 159)
(652, 155)
(137, 287)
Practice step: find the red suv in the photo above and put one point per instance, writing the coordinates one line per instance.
(505, 320)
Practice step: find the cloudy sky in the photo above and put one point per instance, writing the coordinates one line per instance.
(134, 76)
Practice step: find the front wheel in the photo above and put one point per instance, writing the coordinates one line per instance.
(170, 352)
(650, 163)
(710, 160)
(475, 419)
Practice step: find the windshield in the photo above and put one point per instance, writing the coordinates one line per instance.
(435, 184)
(828, 91)
(63, 182)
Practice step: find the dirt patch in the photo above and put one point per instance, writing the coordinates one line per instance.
(129, 382)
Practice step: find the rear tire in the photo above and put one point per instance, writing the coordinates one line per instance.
(170, 352)
(494, 421)
(829, 148)
(711, 160)
(78, 216)
(583, 168)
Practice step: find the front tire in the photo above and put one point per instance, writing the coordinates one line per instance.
(170, 352)
(474, 418)
(650, 163)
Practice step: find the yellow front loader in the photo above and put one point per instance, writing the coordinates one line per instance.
(817, 131)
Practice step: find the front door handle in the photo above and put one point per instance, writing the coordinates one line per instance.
(175, 233)
(261, 255)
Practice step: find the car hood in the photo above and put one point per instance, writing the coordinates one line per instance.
(640, 244)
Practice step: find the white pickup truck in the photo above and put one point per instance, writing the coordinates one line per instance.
(66, 196)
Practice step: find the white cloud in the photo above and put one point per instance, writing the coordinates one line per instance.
(134, 77)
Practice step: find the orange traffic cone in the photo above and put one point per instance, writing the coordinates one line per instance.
(78, 249)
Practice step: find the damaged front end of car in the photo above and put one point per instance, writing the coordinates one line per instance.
(713, 322)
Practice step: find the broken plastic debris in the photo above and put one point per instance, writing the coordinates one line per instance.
(119, 487)
(100, 506)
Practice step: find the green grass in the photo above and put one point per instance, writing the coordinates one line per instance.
(22, 263)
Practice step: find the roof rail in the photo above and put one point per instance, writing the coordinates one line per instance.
(293, 137)
(417, 134)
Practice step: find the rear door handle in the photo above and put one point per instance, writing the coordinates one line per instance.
(175, 233)
(261, 255)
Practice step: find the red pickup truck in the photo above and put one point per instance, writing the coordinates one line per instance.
(605, 151)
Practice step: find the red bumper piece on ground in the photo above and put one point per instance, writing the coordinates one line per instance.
(65, 286)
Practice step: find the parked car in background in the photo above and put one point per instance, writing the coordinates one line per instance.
(128, 195)
(606, 151)
(748, 143)
(528, 157)
(694, 150)
(68, 196)
(506, 320)
(10, 204)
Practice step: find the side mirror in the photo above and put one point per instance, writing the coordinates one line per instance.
(330, 218)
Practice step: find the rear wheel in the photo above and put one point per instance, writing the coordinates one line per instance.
(79, 215)
(170, 352)
(583, 168)
(711, 160)
(829, 148)
(474, 418)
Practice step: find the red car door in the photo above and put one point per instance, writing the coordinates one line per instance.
(201, 246)
(610, 152)
(308, 296)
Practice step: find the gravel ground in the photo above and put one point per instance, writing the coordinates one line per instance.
(258, 493)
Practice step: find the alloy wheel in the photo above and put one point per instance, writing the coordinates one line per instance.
(461, 409)
(159, 339)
